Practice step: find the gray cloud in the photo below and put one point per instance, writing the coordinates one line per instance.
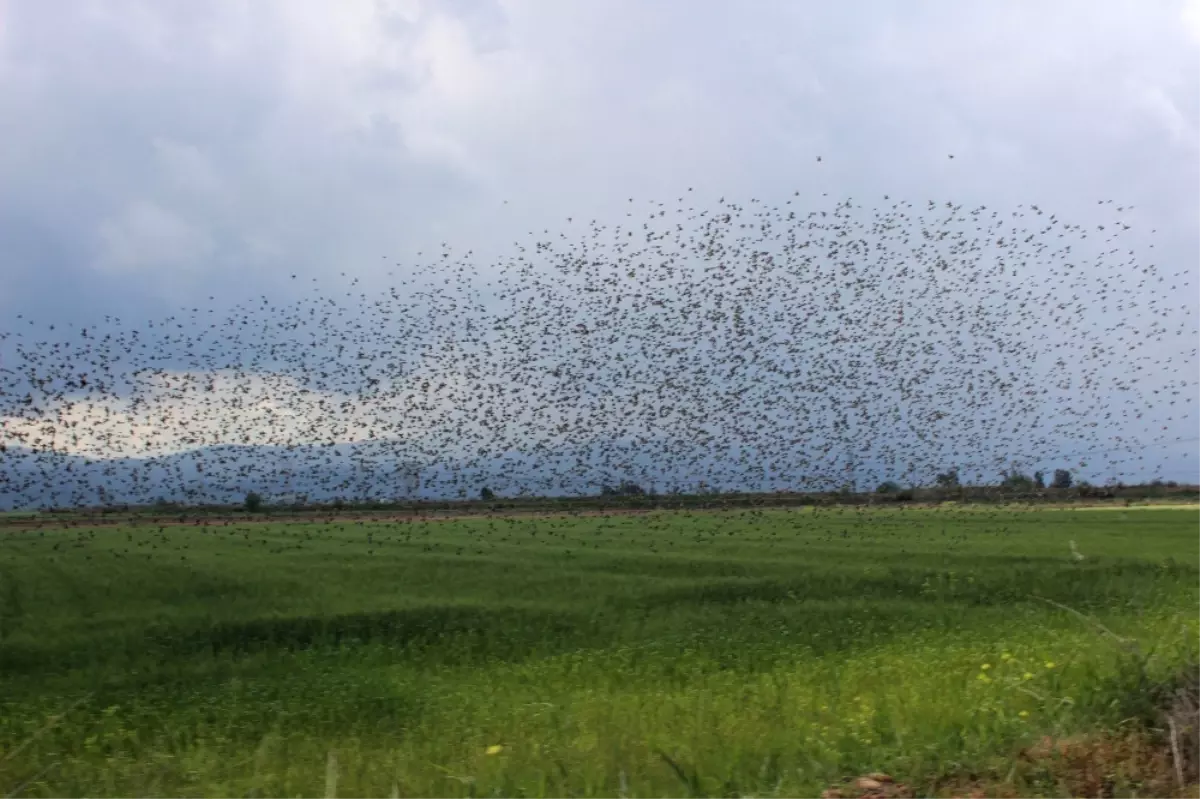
(165, 148)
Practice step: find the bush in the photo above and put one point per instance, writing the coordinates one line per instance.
(1017, 482)
(948, 479)
(487, 494)
(253, 502)
(888, 487)
(627, 488)
(1089, 491)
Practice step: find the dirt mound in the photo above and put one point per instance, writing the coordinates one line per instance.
(1163, 760)
(876, 785)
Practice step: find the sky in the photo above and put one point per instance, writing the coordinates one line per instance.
(159, 154)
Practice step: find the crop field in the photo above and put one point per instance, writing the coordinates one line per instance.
(765, 653)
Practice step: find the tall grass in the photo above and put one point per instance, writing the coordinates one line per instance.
(680, 654)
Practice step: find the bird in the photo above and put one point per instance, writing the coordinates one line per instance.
(748, 345)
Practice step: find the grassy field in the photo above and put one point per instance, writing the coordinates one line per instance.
(718, 654)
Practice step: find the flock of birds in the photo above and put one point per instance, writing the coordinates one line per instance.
(756, 346)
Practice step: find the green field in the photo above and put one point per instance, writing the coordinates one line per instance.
(720, 654)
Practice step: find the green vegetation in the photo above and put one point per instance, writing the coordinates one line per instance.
(253, 502)
(1062, 479)
(767, 652)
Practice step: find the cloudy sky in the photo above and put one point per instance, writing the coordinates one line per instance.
(155, 153)
(155, 150)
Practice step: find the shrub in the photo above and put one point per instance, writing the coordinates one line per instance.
(253, 502)
(948, 479)
(1015, 481)
(1062, 479)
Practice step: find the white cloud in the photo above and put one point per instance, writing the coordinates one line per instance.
(1167, 113)
(186, 167)
(1190, 16)
(178, 411)
(146, 237)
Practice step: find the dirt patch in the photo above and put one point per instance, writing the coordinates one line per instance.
(1160, 759)
(876, 785)
(1099, 765)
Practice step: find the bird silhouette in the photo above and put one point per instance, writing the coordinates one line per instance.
(745, 346)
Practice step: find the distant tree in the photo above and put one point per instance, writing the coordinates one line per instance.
(627, 488)
(1062, 479)
(1039, 479)
(253, 502)
(948, 479)
(888, 487)
(1015, 481)
(1086, 489)
(487, 494)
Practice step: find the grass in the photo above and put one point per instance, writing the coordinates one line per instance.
(703, 654)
